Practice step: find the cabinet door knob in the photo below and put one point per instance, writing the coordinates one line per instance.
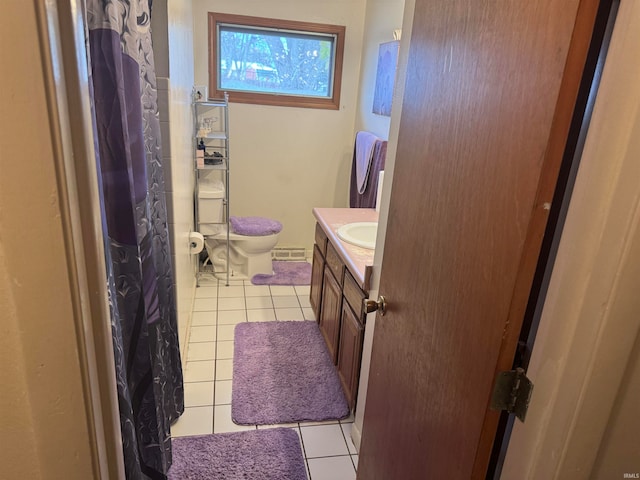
(379, 305)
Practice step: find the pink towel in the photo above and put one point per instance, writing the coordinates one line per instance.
(365, 143)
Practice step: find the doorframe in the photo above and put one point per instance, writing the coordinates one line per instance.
(584, 344)
(61, 32)
(583, 112)
(582, 273)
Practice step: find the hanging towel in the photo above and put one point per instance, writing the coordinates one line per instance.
(367, 199)
(365, 143)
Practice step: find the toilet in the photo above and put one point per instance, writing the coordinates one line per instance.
(251, 240)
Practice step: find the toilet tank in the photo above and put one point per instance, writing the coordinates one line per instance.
(210, 201)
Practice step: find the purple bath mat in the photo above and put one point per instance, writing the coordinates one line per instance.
(271, 454)
(285, 273)
(282, 373)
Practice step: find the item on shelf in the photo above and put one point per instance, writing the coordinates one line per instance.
(214, 158)
(200, 154)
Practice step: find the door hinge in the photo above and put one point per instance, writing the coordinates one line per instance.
(512, 392)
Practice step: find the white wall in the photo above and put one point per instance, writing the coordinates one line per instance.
(583, 360)
(180, 23)
(173, 52)
(382, 18)
(45, 430)
(620, 447)
(285, 161)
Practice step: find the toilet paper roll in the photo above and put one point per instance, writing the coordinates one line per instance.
(196, 242)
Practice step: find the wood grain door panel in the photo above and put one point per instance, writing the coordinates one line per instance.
(488, 101)
(330, 313)
(317, 277)
(350, 353)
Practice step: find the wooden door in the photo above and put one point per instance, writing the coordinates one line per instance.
(489, 95)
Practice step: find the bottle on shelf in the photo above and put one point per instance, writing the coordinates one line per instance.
(200, 153)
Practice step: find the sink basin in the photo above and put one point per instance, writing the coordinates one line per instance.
(362, 234)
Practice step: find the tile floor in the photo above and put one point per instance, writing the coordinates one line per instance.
(327, 446)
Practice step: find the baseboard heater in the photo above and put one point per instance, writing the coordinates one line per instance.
(289, 253)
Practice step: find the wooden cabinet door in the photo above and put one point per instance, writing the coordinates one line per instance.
(317, 275)
(330, 313)
(350, 353)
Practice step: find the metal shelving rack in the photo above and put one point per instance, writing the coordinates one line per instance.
(214, 132)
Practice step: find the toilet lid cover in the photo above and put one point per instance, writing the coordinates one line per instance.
(254, 226)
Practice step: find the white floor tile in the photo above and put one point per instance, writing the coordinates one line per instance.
(280, 425)
(282, 290)
(286, 301)
(223, 392)
(355, 459)
(257, 291)
(203, 318)
(231, 291)
(224, 370)
(222, 421)
(289, 314)
(304, 301)
(232, 282)
(224, 351)
(225, 332)
(205, 304)
(198, 394)
(217, 311)
(203, 334)
(346, 428)
(313, 424)
(302, 290)
(324, 441)
(259, 302)
(331, 468)
(199, 371)
(232, 317)
(201, 351)
(207, 292)
(194, 421)
(208, 281)
(263, 315)
(231, 304)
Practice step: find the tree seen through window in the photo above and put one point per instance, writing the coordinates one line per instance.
(274, 62)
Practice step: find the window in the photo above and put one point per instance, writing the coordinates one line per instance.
(275, 62)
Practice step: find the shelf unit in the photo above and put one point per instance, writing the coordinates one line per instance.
(211, 131)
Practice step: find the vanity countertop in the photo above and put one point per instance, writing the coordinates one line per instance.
(358, 260)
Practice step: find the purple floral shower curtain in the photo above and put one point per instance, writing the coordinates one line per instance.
(144, 325)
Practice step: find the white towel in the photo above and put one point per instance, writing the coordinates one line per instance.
(365, 143)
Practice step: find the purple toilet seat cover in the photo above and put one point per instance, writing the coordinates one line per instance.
(254, 226)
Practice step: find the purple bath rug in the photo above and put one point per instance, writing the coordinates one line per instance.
(285, 273)
(271, 454)
(282, 373)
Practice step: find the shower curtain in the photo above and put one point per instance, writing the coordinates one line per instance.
(141, 296)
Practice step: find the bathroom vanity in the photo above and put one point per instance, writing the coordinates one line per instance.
(340, 281)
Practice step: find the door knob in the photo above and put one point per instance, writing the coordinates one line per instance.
(379, 305)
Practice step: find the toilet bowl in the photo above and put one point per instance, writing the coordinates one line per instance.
(249, 255)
